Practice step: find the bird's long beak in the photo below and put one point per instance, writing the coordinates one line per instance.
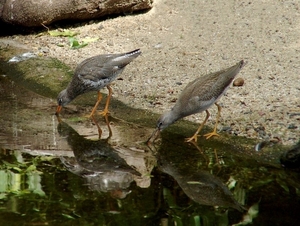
(153, 137)
(58, 109)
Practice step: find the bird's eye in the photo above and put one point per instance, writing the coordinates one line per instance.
(159, 125)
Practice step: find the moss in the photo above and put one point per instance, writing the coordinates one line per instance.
(45, 76)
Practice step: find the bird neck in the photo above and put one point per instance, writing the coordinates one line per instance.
(172, 116)
(71, 91)
(177, 112)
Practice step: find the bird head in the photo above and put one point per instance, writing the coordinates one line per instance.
(165, 120)
(62, 100)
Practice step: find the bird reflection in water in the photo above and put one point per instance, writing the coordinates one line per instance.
(218, 160)
(98, 162)
(198, 184)
(98, 127)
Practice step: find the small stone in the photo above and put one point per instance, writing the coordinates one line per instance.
(292, 126)
(238, 82)
(226, 129)
(158, 46)
(44, 49)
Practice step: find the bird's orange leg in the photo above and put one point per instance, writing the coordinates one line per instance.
(195, 136)
(98, 127)
(105, 112)
(214, 132)
(108, 126)
(96, 105)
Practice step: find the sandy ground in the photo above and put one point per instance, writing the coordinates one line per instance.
(182, 40)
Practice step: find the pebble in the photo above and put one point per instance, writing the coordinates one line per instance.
(238, 82)
(291, 158)
(292, 126)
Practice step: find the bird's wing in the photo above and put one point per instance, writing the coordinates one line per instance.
(94, 70)
(204, 91)
(198, 90)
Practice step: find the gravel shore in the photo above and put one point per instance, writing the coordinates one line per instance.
(181, 40)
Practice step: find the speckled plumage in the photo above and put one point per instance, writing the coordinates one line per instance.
(199, 95)
(94, 74)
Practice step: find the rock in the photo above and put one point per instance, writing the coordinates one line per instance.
(238, 82)
(36, 13)
(291, 158)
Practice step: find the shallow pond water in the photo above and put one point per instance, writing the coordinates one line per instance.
(60, 171)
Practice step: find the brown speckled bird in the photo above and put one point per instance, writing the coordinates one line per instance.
(198, 96)
(93, 74)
